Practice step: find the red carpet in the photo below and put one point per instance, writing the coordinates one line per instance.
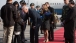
(58, 37)
(75, 36)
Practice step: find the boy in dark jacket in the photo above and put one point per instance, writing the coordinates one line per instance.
(17, 29)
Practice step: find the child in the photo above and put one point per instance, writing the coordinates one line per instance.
(17, 29)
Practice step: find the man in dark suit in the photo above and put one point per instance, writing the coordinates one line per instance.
(34, 25)
(64, 13)
(23, 27)
(69, 23)
(65, 10)
(51, 31)
(35, 18)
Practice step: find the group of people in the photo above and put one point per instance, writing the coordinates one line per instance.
(68, 20)
(15, 18)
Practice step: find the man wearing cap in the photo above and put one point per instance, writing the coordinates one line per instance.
(34, 25)
(21, 4)
(38, 11)
(69, 23)
(65, 10)
(8, 15)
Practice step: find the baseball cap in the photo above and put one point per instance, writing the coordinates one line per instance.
(32, 4)
(37, 6)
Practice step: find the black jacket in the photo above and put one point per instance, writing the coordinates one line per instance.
(71, 15)
(35, 17)
(70, 22)
(52, 11)
(18, 24)
(8, 14)
(22, 14)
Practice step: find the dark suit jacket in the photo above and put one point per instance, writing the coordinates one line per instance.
(35, 17)
(71, 15)
(69, 24)
(23, 15)
(52, 11)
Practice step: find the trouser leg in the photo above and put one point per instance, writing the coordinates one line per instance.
(23, 32)
(9, 34)
(31, 35)
(36, 34)
(66, 40)
(18, 39)
(52, 33)
(4, 34)
(15, 39)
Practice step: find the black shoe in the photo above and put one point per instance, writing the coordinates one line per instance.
(25, 40)
(51, 39)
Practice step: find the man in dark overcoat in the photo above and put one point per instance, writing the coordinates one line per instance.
(69, 23)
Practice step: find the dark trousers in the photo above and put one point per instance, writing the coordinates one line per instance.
(69, 41)
(23, 27)
(34, 33)
(69, 33)
(54, 25)
(51, 34)
(41, 28)
(17, 39)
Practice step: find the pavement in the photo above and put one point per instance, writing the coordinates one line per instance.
(27, 32)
